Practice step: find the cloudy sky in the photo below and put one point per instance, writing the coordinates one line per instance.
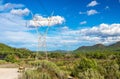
(70, 23)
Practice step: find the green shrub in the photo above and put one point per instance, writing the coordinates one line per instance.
(83, 65)
(90, 74)
(56, 55)
(112, 70)
(10, 58)
(45, 70)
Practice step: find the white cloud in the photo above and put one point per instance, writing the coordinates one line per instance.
(69, 42)
(91, 12)
(42, 21)
(14, 32)
(20, 12)
(65, 28)
(83, 22)
(20, 37)
(9, 6)
(104, 33)
(92, 4)
(103, 30)
(9, 22)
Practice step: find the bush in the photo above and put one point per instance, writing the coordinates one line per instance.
(90, 74)
(45, 70)
(83, 65)
(56, 55)
(10, 58)
(112, 70)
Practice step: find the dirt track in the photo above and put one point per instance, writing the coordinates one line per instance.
(9, 73)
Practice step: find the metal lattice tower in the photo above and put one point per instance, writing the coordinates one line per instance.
(42, 40)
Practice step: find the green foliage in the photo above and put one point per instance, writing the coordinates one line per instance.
(33, 74)
(55, 55)
(90, 74)
(83, 65)
(45, 70)
(118, 59)
(2, 61)
(97, 55)
(10, 58)
(112, 70)
(9, 53)
(77, 55)
(86, 63)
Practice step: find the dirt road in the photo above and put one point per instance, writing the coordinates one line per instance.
(9, 73)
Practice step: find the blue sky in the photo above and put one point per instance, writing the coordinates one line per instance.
(72, 23)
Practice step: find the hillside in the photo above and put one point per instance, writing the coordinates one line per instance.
(100, 47)
(6, 50)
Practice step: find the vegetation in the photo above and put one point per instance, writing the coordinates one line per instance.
(100, 48)
(2, 62)
(92, 62)
(45, 70)
(13, 54)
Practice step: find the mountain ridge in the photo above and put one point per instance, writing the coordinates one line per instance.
(100, 47)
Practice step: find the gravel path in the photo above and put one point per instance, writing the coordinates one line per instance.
(9, 73)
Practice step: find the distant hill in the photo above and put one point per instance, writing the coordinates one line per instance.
(100, 47)
(7, 50)
(115, 45)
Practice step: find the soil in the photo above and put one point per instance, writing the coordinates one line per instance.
(9, 73)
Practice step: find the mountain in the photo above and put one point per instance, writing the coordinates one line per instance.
(100, 47)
